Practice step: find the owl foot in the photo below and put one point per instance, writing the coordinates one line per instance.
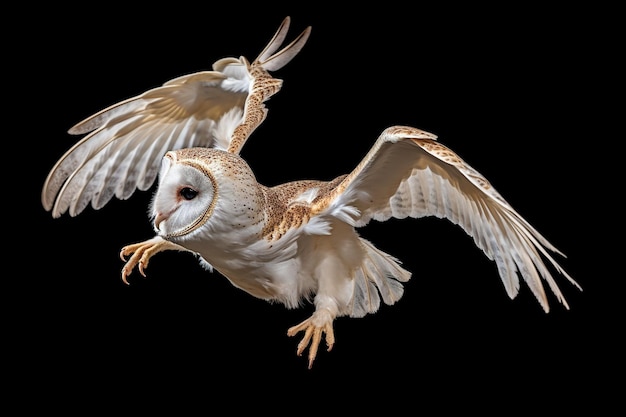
(142, 252)
(320, 322)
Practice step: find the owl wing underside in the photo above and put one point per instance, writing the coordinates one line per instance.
(125, 143)
(407, 173)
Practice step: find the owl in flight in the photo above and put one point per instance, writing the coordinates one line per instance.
(292, 243)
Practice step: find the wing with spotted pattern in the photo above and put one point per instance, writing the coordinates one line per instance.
(125, 143)
(407, 173)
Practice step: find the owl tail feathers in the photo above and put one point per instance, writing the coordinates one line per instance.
(380, 275)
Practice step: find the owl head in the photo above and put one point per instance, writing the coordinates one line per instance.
(201, 192)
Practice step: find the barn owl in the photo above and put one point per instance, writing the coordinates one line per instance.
(294, 243)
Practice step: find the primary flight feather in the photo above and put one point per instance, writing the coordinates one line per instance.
(296, 241)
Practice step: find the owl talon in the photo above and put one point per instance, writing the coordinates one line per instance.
(141, 254)
(313, 334)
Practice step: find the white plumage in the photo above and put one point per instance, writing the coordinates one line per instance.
(293, 242)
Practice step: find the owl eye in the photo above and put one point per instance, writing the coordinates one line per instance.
(188, 193)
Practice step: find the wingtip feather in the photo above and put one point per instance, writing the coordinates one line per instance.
(271, 60)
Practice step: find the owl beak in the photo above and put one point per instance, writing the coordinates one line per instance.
(158, 220)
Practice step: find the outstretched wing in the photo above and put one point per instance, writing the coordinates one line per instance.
(125, 142)
(407, 173)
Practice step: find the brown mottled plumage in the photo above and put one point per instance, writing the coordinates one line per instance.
(293, 242)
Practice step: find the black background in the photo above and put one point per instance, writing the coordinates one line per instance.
(510, 90)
